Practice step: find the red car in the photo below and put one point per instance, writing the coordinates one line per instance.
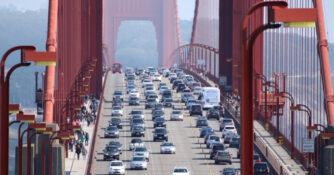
(117, 67)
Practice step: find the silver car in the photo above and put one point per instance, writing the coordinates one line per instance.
(117, 111)
(138, 163)
(136, 142)
(167, 147)
(141, 151)
(176, 115)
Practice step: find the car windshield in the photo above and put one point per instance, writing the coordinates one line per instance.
(116, 108)
(159, 119)
(141, 149)
(162, 130)
(219, 147)
(116, 120)
(164, 87)
(229, 170)
(133, 98)
(186, 95)
(151, 100)
(116, 164)
(180, 170)
(115, 143)
(176, 112)
(223, 153)
(260, 167)
(136, 141)
(191, 101)
(149, 88)
(167, 144)
(158, 113)
(196, 107)
(168, 100)
(230, 127)
(138, 121)
(197, 88)
(112, 128)
(227, 120)
(235, 139)
(112, 148)
(139, 159)
(117, 93)
(134, 91)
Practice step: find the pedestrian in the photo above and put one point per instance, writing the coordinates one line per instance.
(88, 120)
(82, 137)
(84, 152)
(86, 138)
(78, 151)
(70, 144)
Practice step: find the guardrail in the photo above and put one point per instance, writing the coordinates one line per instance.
(92, 148)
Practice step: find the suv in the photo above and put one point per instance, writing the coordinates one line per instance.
(168, 102)
(261, 168)
(223, 156)
(160, 134)
(225, 121)
(115, 122)
(215, 149)
(149, 103)
(201, 121)
(213, 113)
(111, 152)
(137, 131)
(157, 113)
(166, 94)
(159, 122)
(220, 109)
(180, 87)
(176, 83)
(133, 100)
(195, 109)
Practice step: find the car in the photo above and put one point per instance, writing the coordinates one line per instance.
(229, 136)
(215, 149)
(117, 110)
(137, 112)
(141, 151)
(235, 142)
(134, 93)
(156, 77)
(137, 131)
(176, 115)
(206, 137)
(138, 163)
(116, 122)
(160, 133)
(211, 139)
(221, 110)
(166, 95)
(180, 87)
(159, 122)
(153, 96)
(205, 130)
(229, 128)
(180, 171)
(225, 121)
(190, 103)
(172, 79)
(145, 82)
(117, 167)
(133, 101)
(136, 142)
(213, 113)
(167, 147)
(137, 122)
(118, 94)
(229, 171)
(161, 84)
(223, 156)
(111, 132)
(130, 88)
(201, 121)
(162, 89)
(184, 97)
(175, 83)
(261, 168)
(111, 153)
(197, 90)
(117, 102)
(116, 144)
(257, 158)
(150, 103)
(195, 109)
(157, 113)
(157, 106)
(147, 93)
(168, 102)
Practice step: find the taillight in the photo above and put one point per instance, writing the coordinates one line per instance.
(258, 160)
(217, 156)
(230, 156)
(203, 102)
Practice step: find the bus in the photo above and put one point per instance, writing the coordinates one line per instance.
(116, 67)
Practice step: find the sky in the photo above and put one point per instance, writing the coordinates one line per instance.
(186, 10)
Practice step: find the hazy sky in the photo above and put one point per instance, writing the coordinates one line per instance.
(186, 10)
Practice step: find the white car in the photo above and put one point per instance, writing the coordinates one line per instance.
(180, 171)
(145, 82)
(136, 142)
(167, 147)
(211, 139)
(138, 163)
(156, 77)
(141, 151)
(117, 111)
(172, 75)
(117, 167)
(197, 90)
(229, 128)
(162, 89)
(134, 93)
(176, 115)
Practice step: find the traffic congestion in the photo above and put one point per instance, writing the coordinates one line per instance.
(150, 115)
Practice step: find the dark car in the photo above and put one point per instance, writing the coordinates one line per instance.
(221, 110)
(172, 79)
(195, 110)
(150, 103)
(168, 102)
(160, 134)
(116, 144)
(118, 95)
(215, 149)
(176, 83)
(116, 122)
(112, 132)
(213, 113)
(134, 101)
(261, 168)
(137, 131)
(157, 107)
(185, 96)
(205, 130)
(201, 121)
(117, 102)
(137, 122)
(159, 122)
(234, 143)
(180, 87)
(223, 156)
(229, 171)
(157, 113)
(166, 95)
(111, 152)
(257, 158)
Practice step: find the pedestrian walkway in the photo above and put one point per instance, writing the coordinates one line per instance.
(275, 154)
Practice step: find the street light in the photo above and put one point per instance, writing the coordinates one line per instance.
(28, 53)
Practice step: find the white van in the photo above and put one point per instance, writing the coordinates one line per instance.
(209, 97)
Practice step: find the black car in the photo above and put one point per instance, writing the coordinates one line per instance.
(167, 94)
(213, 113)
(195, 110)
(176, 83)
(134, 101)
(180, 87)
(261, 168)
(116, 122)
(168, 102)
(111, 132)
(157, 106)
(157, 113)
(220, 109)
(137, 131)
(150, 103)
(201, 121)
(116, 144)
(159, 122)
(111, 152)
(215, 149)
(234, 142)
(160, 134)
